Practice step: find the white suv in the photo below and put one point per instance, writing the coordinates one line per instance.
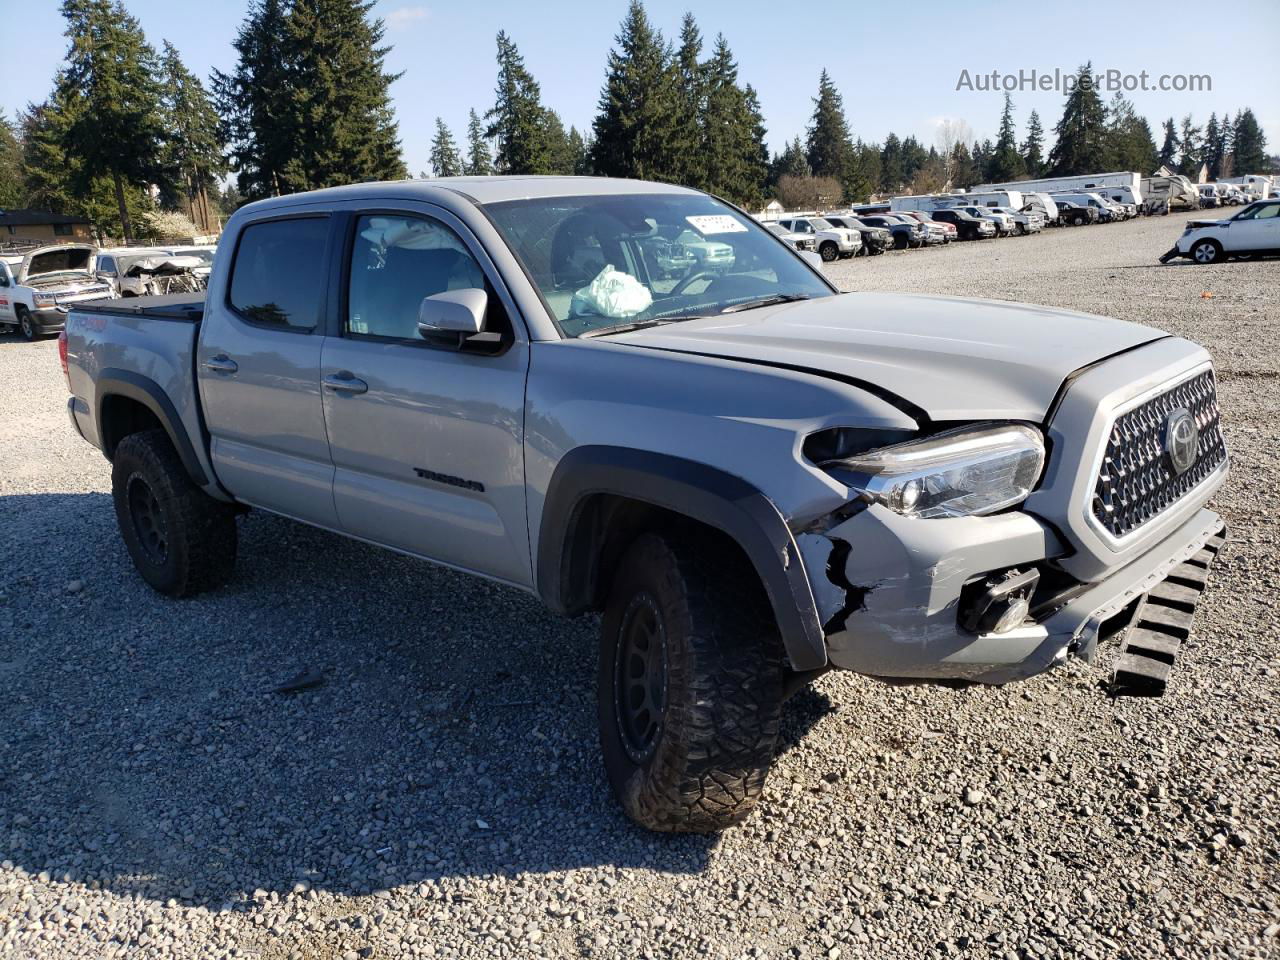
(1254, 230)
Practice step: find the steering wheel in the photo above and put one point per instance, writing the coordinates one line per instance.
(679, 289)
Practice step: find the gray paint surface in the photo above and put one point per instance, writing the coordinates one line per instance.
(737, 393)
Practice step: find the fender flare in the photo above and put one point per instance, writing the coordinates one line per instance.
(695, 490)
(114, 382)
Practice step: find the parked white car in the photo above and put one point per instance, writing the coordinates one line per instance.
(1023, 222)
(796, 241)
(1255, 230)
(833, 242)
(37, 287)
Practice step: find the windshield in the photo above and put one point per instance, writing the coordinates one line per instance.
(607, 261)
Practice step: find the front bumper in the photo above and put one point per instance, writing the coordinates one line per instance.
(49, 319)
(893, 597)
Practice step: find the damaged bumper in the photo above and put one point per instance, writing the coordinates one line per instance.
(890, 590)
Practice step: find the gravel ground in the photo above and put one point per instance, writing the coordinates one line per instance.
(441, 793)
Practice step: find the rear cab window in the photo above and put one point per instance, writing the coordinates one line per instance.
(278, 275)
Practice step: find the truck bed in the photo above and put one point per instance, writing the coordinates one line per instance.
(186, 307)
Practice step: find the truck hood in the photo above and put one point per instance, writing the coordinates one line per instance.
(67, 258)
(952, 358)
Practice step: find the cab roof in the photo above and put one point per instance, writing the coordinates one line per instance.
(480, 190)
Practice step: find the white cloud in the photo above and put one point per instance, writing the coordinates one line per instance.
(404, 16)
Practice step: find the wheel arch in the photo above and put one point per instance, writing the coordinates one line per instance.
(600, 497)
(127, 402)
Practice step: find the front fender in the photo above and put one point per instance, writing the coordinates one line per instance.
(702, 493)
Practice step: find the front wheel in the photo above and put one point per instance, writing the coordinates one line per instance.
(26, 324)
(1206, 251)
(181, 540)
(690, 685)
(829, 252)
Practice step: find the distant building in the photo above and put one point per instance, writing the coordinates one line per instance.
(41, 225)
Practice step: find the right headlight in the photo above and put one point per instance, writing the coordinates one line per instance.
(969, 471)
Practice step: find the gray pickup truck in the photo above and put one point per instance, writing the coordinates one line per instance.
(752, 477)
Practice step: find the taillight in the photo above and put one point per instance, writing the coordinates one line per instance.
(62, 358)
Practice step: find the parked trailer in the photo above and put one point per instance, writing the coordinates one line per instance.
(1256, 185)
(1085, 182)
(1167, 192)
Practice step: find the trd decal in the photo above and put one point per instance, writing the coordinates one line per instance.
(444, 478)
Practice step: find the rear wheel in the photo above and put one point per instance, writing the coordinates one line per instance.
(26, 324)
(1206, 251)
(181, 540)
(690, 685)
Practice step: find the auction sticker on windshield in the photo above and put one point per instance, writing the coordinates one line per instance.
(709, 224)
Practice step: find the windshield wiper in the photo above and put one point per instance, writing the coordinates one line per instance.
(637, 325)
(766, 302)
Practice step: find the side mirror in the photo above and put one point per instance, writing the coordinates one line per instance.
(455, 319)
(454, 311)
(812, 259)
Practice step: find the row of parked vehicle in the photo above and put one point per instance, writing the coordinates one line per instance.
(39, 285)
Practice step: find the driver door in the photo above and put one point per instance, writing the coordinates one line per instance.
(1261, 231)
(426, 438)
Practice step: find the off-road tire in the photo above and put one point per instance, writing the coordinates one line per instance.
(152, 490)
(26, 326)
(722, 686)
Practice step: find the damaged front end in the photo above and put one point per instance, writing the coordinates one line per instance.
(933, 571)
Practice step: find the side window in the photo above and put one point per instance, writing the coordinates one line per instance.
(107, 265)
(277, 278)
(396, 261)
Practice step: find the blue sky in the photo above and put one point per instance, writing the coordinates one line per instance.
(898, 68)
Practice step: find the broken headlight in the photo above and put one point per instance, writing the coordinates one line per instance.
(969, 471)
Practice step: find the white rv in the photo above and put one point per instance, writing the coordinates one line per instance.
(1256, 185)
(1082, 183)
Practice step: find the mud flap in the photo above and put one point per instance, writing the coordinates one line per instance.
(1162, 625)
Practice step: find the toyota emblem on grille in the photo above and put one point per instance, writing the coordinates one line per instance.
(1181, 439)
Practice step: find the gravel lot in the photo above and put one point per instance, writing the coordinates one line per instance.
(441, 793)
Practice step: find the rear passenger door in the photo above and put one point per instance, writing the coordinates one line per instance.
(426, 438)
(258, 366)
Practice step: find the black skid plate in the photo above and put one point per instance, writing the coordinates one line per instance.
(1162, 625)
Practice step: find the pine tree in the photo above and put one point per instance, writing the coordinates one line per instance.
(446, 161)
(914, 158)
(1248, 144)
(479, 160)
(255, 102)
(577, 148)
(828, 141)
(1081, 133)
(1033, 147)
(340, 100)
(636, 123)
(1169, 148)
(734, 156)
(54, 180)
(1129, 143)
(517, 119)
(192, 156)
(12, 189)
(1213, 147)
(690, 82)
(1006, 161)
(561, 150)
(116, 128)
(982, 153)
(862, 172)
(892, 174)
(964, 173)
(792, 162)
(1190, 149)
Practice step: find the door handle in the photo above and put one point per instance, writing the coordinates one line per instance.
(344, 382)
(221, 364)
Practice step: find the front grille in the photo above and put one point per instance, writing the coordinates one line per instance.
(1137, 480)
